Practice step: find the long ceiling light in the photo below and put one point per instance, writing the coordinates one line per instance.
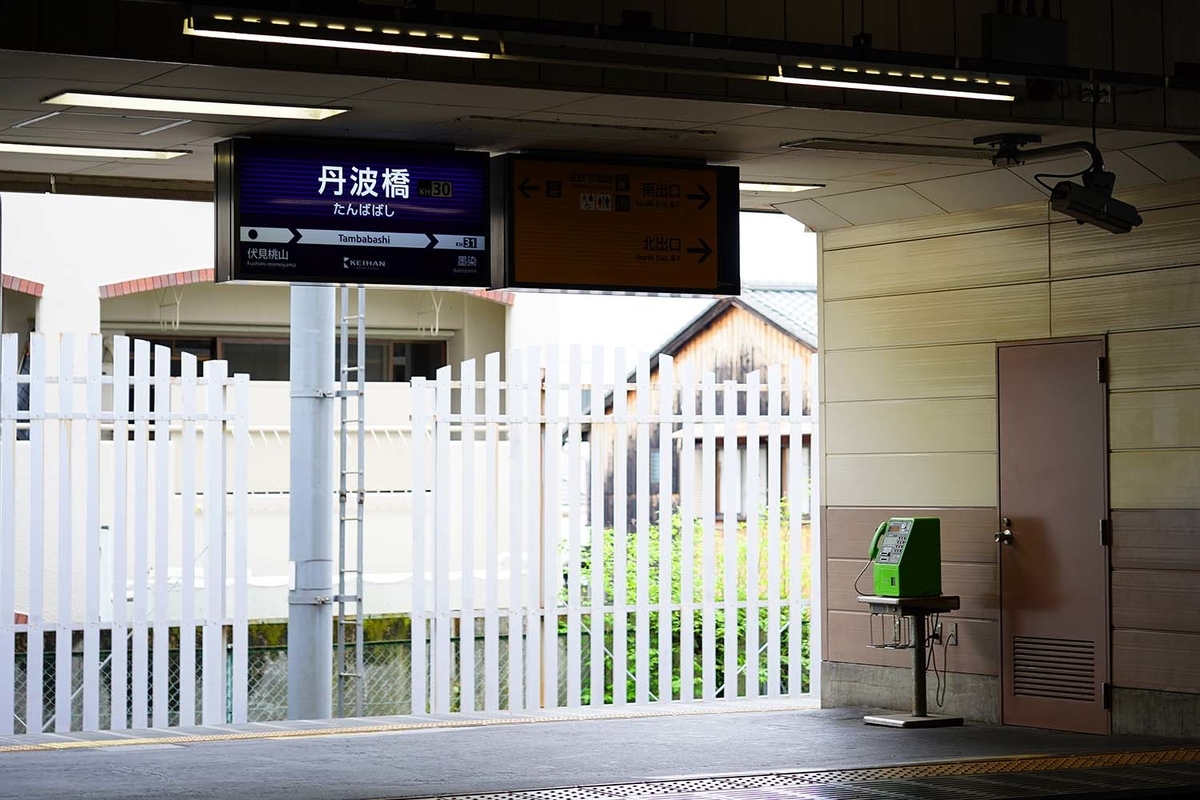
(336, 35)
(894, 88)
(190, 107)
(88, 152)
(896, 81)
(779, 187)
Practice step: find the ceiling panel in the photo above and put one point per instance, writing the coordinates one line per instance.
(834, 121)
(1129, 172)
(466, 95)
(1170, 161)
(265, 81)
(964, 131)
(813, 215)
(823, 166)
(99, 122)
(78, 68)
(196, 167)
(922, 172)
(990, 189)
(880, 205)
(26, 94)
(658, 108)
(60, 165)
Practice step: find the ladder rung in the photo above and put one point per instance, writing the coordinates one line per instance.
(349, 675)
(347, 598)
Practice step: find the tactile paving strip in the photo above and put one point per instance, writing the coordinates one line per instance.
(985, 779)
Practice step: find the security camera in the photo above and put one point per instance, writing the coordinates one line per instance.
(1094, 206)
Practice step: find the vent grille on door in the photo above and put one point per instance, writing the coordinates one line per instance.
(1063, 669)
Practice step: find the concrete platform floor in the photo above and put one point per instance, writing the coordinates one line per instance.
(397, 757)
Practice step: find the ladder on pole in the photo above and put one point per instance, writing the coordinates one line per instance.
(351, 499)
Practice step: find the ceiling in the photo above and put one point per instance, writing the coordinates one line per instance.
(859, 188)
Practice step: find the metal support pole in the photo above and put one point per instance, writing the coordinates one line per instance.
(918, 649)
(311, 503)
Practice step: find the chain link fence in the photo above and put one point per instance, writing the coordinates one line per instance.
(387, 679)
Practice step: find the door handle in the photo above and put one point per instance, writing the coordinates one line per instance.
(1005, 536)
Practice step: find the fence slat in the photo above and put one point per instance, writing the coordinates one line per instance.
(466, 628)
(8, 524)
(753, 398)
(551, 573)
(535, 395)
(596, 459)
(574, 527)
(620, 576)
(708, 557)
(515, 400)
(162, 533)
(141, 546)
(214, 571)
(491, 619)
(796, 497)
(687, 528)
(187, 505)
(35, 640)
(118, 686)
(241, 575)
(666, 526)
(729, 469)
(91, 618)
(420, 430)
(66, 525)
(642, 535)
(774, 470)
(443, 666)
(813, 505)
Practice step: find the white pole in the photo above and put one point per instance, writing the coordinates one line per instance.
(311, 500)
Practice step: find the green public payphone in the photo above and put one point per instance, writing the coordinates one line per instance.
(907, 555)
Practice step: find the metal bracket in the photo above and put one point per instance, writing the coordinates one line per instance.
(307, 597)
(320, 394)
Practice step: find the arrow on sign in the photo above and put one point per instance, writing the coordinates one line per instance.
(433, 242)
(526, 187)
(702, 198)
(295, 235)
(704, 251)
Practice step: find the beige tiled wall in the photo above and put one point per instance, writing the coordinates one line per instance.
(911, 314)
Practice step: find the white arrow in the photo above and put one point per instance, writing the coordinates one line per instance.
(420, 241)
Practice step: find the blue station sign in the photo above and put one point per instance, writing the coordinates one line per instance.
(327, 212)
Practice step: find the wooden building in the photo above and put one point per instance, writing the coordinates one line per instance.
(732, 338)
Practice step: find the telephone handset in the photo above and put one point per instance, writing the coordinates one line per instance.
(874, 553)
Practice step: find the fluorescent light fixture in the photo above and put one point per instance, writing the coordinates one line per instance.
(891, 87)
(890, 148)
(779, 187)
(190, 29)
(192, 107)
(30, 148)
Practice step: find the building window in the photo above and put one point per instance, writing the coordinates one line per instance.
(269, 359)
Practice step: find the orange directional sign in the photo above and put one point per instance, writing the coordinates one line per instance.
(616, 226)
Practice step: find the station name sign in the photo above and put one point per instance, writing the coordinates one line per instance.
(327, 212)
(621, 226)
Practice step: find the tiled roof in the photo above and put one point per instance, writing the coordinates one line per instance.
(156, 282)
(791, 308)
(14, 284)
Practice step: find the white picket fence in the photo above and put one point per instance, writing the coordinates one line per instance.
(124, 520)
(730, 620)
(122, 538)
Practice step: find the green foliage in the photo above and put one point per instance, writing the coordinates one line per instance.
(746, 578)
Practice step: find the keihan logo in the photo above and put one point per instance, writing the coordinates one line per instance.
(362, 263)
